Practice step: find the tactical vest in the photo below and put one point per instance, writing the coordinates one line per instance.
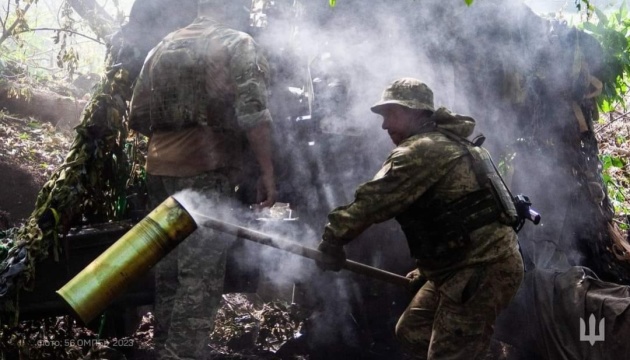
(179, 93)
(438, 233)
(178, 97)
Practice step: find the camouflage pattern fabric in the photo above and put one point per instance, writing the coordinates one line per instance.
(424, 161)
(205, 73)
(465, 290)
(407, 92)
(455, 320)
(209, 83)
(189, 280)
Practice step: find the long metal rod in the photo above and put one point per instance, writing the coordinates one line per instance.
(298, 249)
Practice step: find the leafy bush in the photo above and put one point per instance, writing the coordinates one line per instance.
(612, 33)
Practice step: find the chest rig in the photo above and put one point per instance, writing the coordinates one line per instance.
(438, 232)
(181, 96)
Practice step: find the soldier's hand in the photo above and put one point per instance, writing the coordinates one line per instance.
(335, 256)
(266, 191)
(416, 280)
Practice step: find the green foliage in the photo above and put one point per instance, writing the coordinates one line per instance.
(468, 2)
(67, 57)
(617, 186)
(612, 33)
(19, 93)
(32, 35)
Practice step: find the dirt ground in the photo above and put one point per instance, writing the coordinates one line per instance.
(18, 194)
(29, 152)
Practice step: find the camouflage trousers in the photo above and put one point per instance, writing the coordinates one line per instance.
(189, 280)
(456, 319)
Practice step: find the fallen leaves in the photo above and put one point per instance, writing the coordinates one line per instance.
(38, 148)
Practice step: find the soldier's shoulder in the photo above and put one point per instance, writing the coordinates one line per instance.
(426, 140)
(430, 143)
(231, 36)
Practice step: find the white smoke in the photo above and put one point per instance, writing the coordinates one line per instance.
(460, 52)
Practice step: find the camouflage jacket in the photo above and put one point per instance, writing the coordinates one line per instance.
(204, 73)
(429, 161)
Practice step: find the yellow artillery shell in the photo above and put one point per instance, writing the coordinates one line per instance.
(96, 286)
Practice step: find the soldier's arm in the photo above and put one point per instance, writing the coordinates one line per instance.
(404, 177)
(139, 119)
(251, 75)
(259, 139)
(139, 109)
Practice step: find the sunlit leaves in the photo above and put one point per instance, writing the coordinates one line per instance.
(468, 2)
(616, 183)
(21, 92)
(612, 33)
(609, 161)
(68, 58)
(332, 3)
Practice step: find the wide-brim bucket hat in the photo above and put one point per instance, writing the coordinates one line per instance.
(408, 92)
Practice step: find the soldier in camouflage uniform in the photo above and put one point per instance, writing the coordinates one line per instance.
(457, 216)
(201, 97)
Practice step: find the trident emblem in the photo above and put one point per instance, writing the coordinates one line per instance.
(592, 337)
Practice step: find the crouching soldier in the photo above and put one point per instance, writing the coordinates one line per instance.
(457, 216)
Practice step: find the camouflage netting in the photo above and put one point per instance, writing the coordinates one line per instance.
(103, 168)
(91, 186)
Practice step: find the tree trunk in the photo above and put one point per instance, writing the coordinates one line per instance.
(97, 18)
(47, 106)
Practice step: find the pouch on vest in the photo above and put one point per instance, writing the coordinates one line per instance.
(178, 95)
(435, 235)
(438, 233)
(489, 178)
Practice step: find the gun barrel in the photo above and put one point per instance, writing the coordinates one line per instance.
(295, 248)
(534, 216)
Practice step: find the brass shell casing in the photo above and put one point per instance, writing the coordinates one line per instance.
(96, 286)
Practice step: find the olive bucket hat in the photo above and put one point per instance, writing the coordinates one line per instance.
(408, 92)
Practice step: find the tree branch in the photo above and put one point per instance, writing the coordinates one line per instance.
(8, 32)
(97, 18)
(65, 30)
(6, 18)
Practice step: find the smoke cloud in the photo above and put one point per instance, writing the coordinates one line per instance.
(497, 61)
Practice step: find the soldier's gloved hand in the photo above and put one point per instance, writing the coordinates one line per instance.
(335, 256)
(417, 280)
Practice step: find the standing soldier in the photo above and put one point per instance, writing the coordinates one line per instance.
(200, 97)
(457, 216)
